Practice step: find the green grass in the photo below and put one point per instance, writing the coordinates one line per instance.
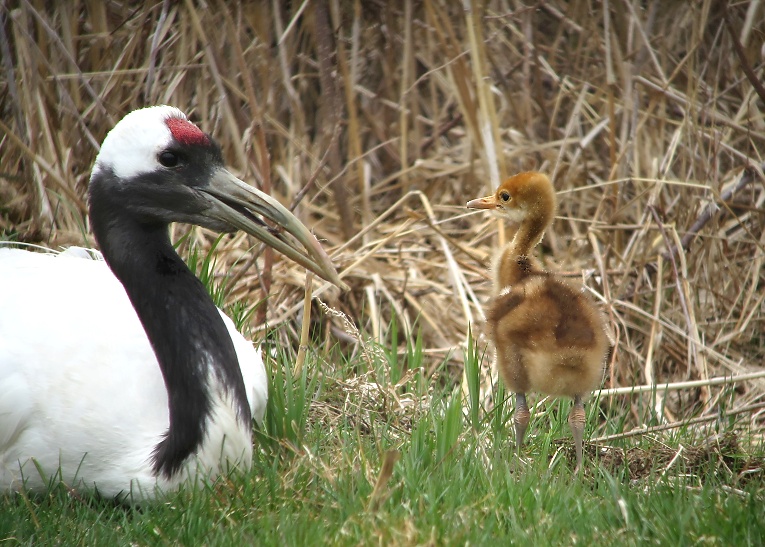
(313, 477)
(457, 480)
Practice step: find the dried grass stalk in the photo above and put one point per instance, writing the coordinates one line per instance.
(648, 121)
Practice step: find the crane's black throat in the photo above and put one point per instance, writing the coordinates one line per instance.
(190, 340)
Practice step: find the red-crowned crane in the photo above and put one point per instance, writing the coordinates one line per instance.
(122, 377)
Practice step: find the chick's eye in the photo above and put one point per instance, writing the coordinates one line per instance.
(168, 159)
(504, 196)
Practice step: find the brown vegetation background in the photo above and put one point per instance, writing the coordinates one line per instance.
(377, 121)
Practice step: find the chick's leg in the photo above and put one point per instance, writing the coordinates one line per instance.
(521, 420)
(576, 422)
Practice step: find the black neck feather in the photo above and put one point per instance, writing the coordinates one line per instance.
(189, 338)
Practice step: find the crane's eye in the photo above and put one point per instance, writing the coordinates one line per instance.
(168, 158)
(504, 195)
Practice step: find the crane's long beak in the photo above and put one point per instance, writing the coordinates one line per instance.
(488, 202)
(241, 206)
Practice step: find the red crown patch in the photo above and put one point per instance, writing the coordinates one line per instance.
(186, 132)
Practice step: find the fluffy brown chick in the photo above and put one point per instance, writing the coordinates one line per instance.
(548, 335)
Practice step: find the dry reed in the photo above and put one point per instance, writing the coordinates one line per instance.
(377, 122)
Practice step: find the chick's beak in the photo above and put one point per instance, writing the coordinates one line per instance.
(488, 202)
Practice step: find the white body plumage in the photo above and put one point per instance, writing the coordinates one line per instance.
(91, 408)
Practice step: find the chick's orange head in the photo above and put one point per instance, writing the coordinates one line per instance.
(525, 194)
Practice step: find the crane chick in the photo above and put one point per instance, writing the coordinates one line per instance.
(548, 335)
